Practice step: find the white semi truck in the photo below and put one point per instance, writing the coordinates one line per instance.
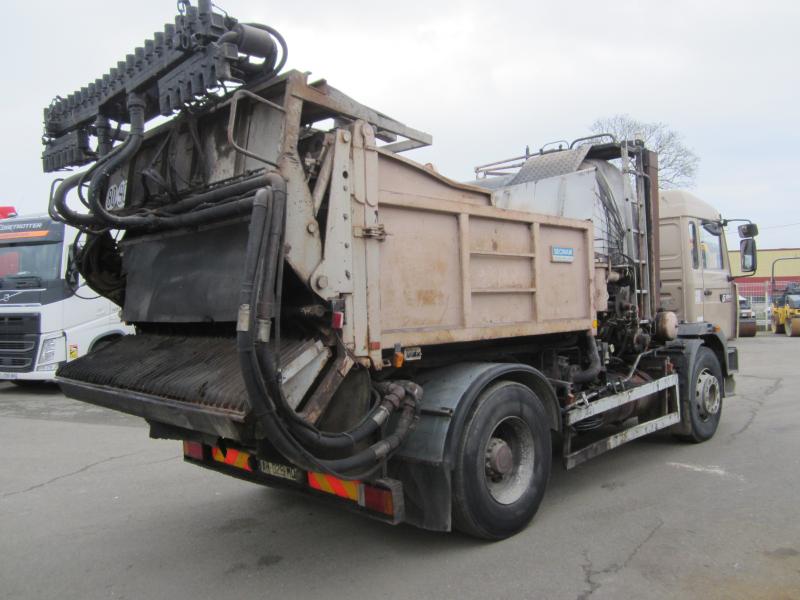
(46, 317)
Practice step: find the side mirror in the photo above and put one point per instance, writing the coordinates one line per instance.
(747, 255)
(748, 230)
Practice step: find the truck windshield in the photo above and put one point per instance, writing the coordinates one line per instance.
(18, 261)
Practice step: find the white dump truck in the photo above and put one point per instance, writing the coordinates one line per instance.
(46, 318)
(317, 312)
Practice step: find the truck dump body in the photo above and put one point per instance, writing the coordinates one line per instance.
(297, 286)
(452, 267)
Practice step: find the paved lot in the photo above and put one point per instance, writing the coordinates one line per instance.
(91, 508)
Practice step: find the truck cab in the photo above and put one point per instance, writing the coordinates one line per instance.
(696, 281)
(46, 317)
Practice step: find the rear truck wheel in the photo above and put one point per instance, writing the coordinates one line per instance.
(702, 397)
(503, 462)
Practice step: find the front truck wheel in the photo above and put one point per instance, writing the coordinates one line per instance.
(503, 462)
(701, 398)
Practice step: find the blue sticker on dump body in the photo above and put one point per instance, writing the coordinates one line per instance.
(562, 254)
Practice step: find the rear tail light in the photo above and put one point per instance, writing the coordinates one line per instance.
(193, 450)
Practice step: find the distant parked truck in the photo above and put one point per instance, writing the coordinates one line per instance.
(44, 322)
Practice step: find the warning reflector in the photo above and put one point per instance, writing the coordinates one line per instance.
(232, 458)
(332, 485)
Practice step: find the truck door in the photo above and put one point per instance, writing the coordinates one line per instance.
(692, 276)
(719, 306)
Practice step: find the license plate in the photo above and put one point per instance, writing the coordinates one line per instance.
(9, 375)
(281, 471)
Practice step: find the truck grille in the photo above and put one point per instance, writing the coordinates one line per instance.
(19, 342)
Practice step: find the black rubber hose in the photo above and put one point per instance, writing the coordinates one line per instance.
(259, 391)
(264, 388)
(58, 204)
(281, 41)
(260, 402)
(229, 191)
(213, 213)
(268, 309)
(99, 180)
(593, 370)
(346, 440)
(383, 449)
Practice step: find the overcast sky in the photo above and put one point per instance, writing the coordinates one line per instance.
(484, 79)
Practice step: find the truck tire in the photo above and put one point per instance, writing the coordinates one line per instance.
(503, 462)
(701, 398)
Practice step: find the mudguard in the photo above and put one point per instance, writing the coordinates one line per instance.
(425, 461)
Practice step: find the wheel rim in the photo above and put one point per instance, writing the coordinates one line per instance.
(509, 460)
(787, 327)
(707, 395)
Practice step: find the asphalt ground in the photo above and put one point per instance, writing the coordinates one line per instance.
(90, 507)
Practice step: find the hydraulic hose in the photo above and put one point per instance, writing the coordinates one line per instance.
(222, 211)
(99, 180)
(281, 41)
(58, 209)
(124, 152)
(382, 449)
(269, 309)
(230, 191)
(262, 379)
(392, 396)
(595, 365)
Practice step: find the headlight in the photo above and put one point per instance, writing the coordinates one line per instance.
(53, 351)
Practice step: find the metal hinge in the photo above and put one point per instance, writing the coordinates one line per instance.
(377, 232)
